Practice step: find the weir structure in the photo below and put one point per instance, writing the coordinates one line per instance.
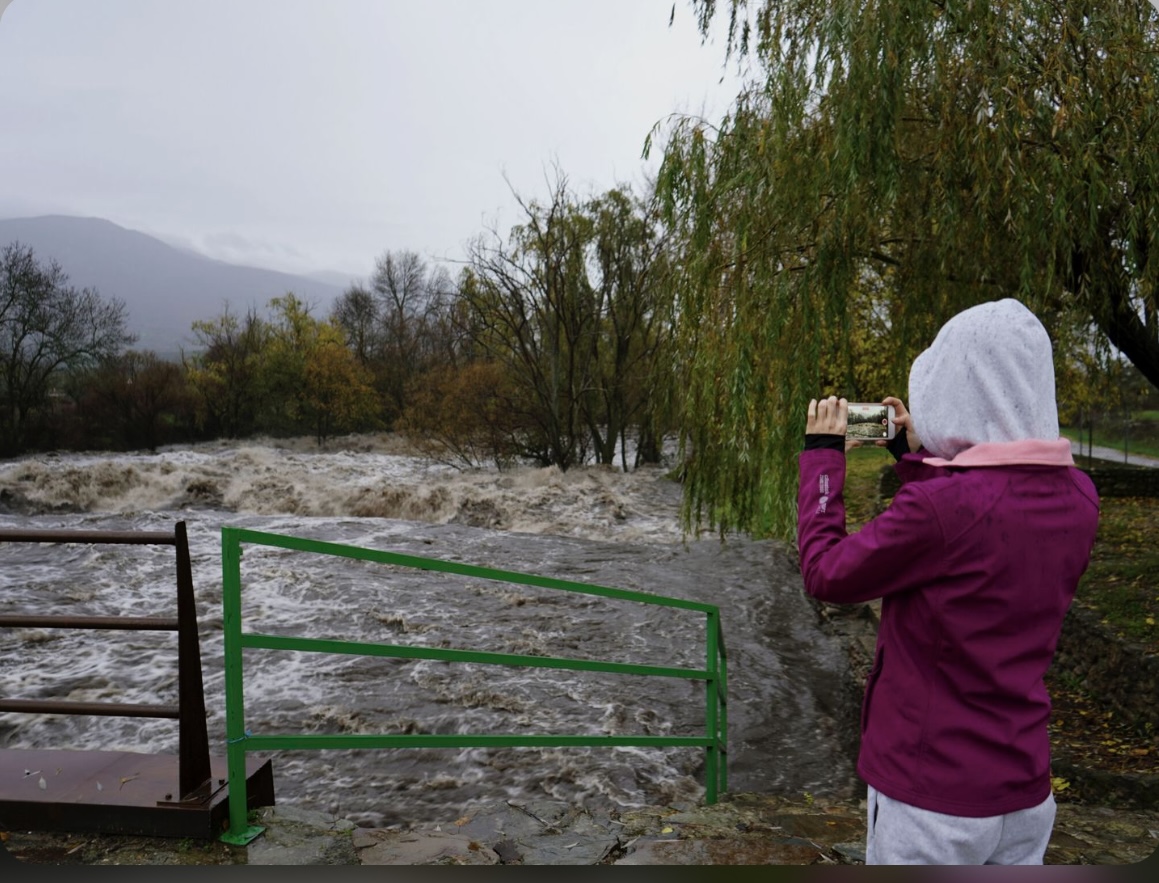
(120, 792)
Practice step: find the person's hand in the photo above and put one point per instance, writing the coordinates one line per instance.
(902, 420)
(827, 416)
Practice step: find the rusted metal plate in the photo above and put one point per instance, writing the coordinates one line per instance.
(116, 792)
(124, 537)
(108, 709)
(119, 623)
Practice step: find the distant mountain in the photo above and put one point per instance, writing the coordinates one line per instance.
(333, 277)
(165, 289)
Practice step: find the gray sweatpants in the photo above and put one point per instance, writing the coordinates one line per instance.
(900, 834)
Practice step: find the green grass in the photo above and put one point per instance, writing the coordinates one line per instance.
(862, 474)
(1142, 439)
(1122, 582)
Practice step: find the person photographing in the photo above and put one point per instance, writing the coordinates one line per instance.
(976, 561)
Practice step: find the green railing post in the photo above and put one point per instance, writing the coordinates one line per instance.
(711, 701)
(240, 831)
(724, 720)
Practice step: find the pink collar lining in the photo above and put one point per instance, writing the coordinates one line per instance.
(1028, 452)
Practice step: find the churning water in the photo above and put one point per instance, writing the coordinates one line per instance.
(788, 690)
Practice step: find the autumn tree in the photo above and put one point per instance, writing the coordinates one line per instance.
(225, 372)
(573, 304)
(309, 379)
(355, 311)
(410, 296)
(533, 310)
(291, 333)
(633, 382)
(926, 155)
(48, 329)
(135, 400)
(397, 326)
(466, 415)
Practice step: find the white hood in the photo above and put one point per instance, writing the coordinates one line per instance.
(987, 377)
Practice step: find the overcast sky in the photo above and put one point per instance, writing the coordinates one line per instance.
(310, 136)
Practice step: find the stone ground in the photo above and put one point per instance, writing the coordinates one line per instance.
(741, 829)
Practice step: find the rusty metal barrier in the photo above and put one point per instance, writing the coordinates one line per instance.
(82, 802)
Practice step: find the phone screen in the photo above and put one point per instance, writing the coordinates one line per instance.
(869, 420)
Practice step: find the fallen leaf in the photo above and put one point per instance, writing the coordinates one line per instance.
(665, 830)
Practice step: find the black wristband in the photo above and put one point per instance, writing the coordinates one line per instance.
(816, 441)
(898, 445)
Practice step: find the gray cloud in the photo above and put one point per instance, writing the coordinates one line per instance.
(305, 135)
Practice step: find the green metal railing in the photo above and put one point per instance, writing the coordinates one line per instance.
(240, 740)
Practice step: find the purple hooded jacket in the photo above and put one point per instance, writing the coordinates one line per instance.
(976, 561)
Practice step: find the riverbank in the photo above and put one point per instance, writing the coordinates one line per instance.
(741, 829)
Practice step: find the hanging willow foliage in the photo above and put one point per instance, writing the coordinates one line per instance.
(893, 162)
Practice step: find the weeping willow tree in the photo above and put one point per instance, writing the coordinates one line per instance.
(889, 163)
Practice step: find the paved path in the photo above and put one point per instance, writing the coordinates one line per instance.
(1112, 455)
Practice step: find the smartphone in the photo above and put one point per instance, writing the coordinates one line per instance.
(870, 421)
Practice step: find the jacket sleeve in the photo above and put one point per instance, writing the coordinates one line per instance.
(885, 556)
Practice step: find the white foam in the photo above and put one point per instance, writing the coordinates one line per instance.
(290, 479)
